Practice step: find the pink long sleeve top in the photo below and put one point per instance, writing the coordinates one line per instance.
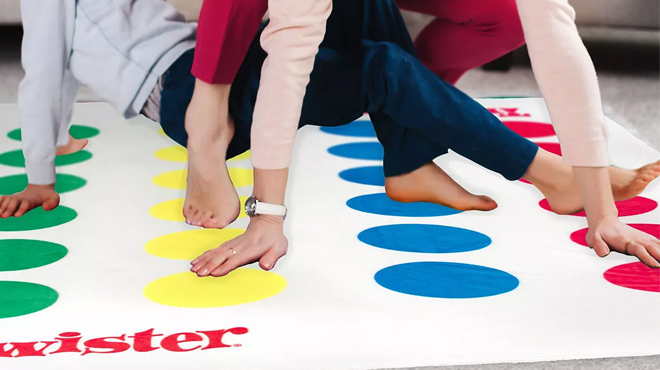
(567, 79)
(292, 40)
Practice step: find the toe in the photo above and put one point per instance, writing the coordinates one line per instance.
(202, 218)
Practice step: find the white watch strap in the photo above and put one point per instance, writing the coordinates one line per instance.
(270, 209)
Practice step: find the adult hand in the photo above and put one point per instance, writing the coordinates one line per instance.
(608, 233)
(263, 241)
(32, 197)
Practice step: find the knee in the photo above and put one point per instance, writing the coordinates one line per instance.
(501, 19)
(385, 56)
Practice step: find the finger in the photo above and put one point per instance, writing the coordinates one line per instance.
(22, 209)
(268, 261)
(638, 250)
(51, 203)
(654, 251)
(11, 208)
(4, 200)
(202, 260)
(218, 257)
(246, 253)
(600, 247)
(243, 256)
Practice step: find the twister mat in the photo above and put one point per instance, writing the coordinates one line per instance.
(102, 281)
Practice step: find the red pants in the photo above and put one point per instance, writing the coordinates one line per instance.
(224, 34)
(465, 35)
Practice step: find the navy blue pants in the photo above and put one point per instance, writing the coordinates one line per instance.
(367, 63)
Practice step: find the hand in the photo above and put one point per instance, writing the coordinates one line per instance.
(73, 146)
(263, 241)
(608, 233)
(32, 197)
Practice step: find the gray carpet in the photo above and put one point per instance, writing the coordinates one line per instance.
(630, 84)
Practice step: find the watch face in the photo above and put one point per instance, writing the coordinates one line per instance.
(251, 206)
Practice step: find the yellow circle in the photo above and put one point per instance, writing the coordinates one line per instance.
(173, 154)
(178, 153)
(177, 179)
(239, 157)
(241, 286)
(172, 210)
(188, 245)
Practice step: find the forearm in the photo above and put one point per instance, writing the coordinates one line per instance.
(596, 191)
(567, 79)
(270, 185)
(291, 40)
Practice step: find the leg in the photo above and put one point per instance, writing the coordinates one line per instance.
(416, 112)
(466, 33)
(226, 30)
(557, 183)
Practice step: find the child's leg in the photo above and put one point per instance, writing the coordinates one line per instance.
(466, 33)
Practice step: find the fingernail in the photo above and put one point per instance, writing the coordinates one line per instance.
(204, 272)
(194, 262)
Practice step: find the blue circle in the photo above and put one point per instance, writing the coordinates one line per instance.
(359, 128)
(380, 204)
(367, 150)
(419, 238)
(372, 175)
(446, 280)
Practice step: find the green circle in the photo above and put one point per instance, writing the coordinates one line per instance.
(18, 298)
(77, 131)
(21, 254)
(64, 183)
(15, 134)
(38, 219)
(15, 158)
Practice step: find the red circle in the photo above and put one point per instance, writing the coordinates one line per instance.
(553, 148)
(636, 276)
(580, 236)
(631, 207)
(529, 129)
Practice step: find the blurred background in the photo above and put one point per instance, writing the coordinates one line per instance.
(623, 38)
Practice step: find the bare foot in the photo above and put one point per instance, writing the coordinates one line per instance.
(430, 183)
(628, 184)
(32, 197)
(564, 197)
(73, 146)
(211, 199)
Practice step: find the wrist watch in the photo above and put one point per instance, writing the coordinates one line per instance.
(253, 207)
